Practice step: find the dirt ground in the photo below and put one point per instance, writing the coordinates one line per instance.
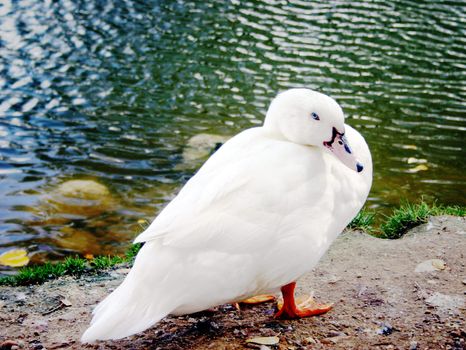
(387, 295)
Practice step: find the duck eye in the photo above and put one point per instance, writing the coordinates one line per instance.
(315, 116)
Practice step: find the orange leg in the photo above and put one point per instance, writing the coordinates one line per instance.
(308, 307)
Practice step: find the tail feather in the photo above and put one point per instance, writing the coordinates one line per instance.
(138, 303)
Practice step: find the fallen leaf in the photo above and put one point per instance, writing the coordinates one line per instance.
(438, 264)
(88, 256)
(264, 340)
(14, 258)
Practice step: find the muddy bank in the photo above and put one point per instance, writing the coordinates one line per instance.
(401, 294)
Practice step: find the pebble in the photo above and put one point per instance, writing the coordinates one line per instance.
(385, 329)
(331, 340)
(333, 334)
(413, 345)
(310, 340)
(264, 340)
(431, 265)
(20, 296)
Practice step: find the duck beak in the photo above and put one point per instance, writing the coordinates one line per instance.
(340, 147)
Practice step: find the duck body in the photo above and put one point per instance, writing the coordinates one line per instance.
(256, 216)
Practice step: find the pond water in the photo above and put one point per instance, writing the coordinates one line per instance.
(112, 91)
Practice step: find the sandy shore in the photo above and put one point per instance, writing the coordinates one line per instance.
(401, 294)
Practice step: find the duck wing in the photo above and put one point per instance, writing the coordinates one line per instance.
(244, 195)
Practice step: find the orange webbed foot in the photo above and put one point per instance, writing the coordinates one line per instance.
(258, 299)
(304, 306)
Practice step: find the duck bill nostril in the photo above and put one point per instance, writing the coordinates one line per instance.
(340, 147)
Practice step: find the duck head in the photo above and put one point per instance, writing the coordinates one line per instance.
(310, 118)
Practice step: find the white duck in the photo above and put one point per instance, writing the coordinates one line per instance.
(257, 215)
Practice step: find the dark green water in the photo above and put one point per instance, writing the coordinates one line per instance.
(113, 91)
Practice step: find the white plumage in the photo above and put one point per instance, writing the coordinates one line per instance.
(257, 215)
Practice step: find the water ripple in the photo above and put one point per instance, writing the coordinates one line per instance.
(113, 91)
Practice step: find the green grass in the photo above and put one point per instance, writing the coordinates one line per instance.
(393, 226)
(72, 266)
(40, 273)
(409, 215)
(132, 252)
(363, 221)
(105, 262)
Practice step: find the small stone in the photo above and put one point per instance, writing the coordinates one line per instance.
(20, 296)
(333, 334)
(430, 266)
(66, 302)
(438, 264)
(264, 340)
(464, 282)
(385, 329)
(413, 345)
(310, 340)
(331, 340)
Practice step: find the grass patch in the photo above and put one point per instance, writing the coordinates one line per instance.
(105, 262)
(404, 218)
(411, 215)
(363, 221)
(132, 252)
(40, 273)
(72, 266)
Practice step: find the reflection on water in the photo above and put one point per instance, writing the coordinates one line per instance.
(112, 91)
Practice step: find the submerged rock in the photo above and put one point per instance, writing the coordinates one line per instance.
(200, 147)
(84, 189)
(81, 197)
